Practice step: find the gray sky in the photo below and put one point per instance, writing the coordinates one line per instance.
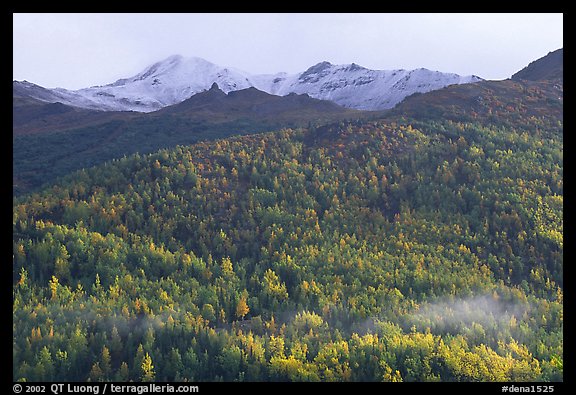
(79, 50)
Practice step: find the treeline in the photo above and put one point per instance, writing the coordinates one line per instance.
(309, 254)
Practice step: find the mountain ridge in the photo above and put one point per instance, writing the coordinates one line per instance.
(549, 67)
(177, 78)
(251, 101)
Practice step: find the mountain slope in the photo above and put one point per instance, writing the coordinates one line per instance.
(176, 78)
(535, 94)
(549, 67)
(25, 89)
(504, 102)
(34, 116)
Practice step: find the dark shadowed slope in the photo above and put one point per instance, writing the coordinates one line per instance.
(52, 139)
(253, 103)
(30, 116)
(549, 67)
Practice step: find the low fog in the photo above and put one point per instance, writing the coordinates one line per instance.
(453, 315)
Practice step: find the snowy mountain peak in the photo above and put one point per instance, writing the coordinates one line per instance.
(314, 73)
(354, 86)
(176, 78)
(162, 67)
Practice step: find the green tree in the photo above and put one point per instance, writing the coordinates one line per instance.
(106, 363)
(242, 307)
(44, 369)
(96, 373)
(148, 373)
(123, 374)
(62, 265)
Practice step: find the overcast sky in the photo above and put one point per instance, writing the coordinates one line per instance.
(79, 50)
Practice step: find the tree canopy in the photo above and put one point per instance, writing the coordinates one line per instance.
(404, 249)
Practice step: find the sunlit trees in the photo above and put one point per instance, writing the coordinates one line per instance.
(148, 373)
(347, 255)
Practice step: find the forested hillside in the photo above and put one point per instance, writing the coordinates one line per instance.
(52, 139)
(425, 246)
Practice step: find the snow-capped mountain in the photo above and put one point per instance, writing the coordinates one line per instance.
(176, 78)
(357, 87)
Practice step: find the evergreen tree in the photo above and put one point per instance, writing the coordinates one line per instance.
(148, 373)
